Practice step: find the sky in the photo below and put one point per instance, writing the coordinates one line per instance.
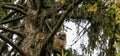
(72, 37)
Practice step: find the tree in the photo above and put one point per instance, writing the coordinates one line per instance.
(29, 26)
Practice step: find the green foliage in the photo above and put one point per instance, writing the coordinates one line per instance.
(118, 54)
(49, 1)
(66, 53)
(103, 18)
(3, 12)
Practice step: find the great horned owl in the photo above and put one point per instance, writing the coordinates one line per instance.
(59, 42)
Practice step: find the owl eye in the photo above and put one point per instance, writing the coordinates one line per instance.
(62, 38)
(59, 34)
(63, 35)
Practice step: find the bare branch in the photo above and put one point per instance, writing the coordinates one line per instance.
(48, 26)
(18, 43)
(2, 47)
(12, 31)
(9, 53)
(13, 45)
(7, 16)
(16, 5)
(14, 8)
(84, 29)
(11, 20)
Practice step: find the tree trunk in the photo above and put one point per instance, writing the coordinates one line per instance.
(34, 37)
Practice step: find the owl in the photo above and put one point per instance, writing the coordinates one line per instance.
(59, 42)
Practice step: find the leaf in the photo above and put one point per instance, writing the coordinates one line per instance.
(66, 53)
(113, 6)
(112, 11)
(118, 21)
(92, 8)
(62, 52)
(114, 45)
(58, 54)
(13, 1)
(63, 1)
(118, 54)
(117, 36)
(118, 2)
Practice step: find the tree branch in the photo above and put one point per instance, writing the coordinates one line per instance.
(78, 14)
(2, 47)
(16, 5)
(18, 43)
(13, 45)
(48, 26)
(12, 31)
(33, 4)
(7, 16)
(11, 20)
(14, 8)
(40, 5)
(57, 26)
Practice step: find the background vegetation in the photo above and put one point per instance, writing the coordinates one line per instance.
(30, 25)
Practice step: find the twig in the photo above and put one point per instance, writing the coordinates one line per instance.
(14, 8)
(16, 5)
(15, 52)
(13, 45)
(18, 43)
(9, 53)
(40, 6)
(12, 31)
(84, 29)
(2, 47)
(60, 21)
(11, 20)
(48, 26)
(15, 27)
(7, 16)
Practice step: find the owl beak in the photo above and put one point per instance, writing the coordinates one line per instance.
(62, 37)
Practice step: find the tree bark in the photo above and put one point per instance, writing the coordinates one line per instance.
(34, 37)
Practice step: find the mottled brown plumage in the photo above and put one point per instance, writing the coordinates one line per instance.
(59, 41)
